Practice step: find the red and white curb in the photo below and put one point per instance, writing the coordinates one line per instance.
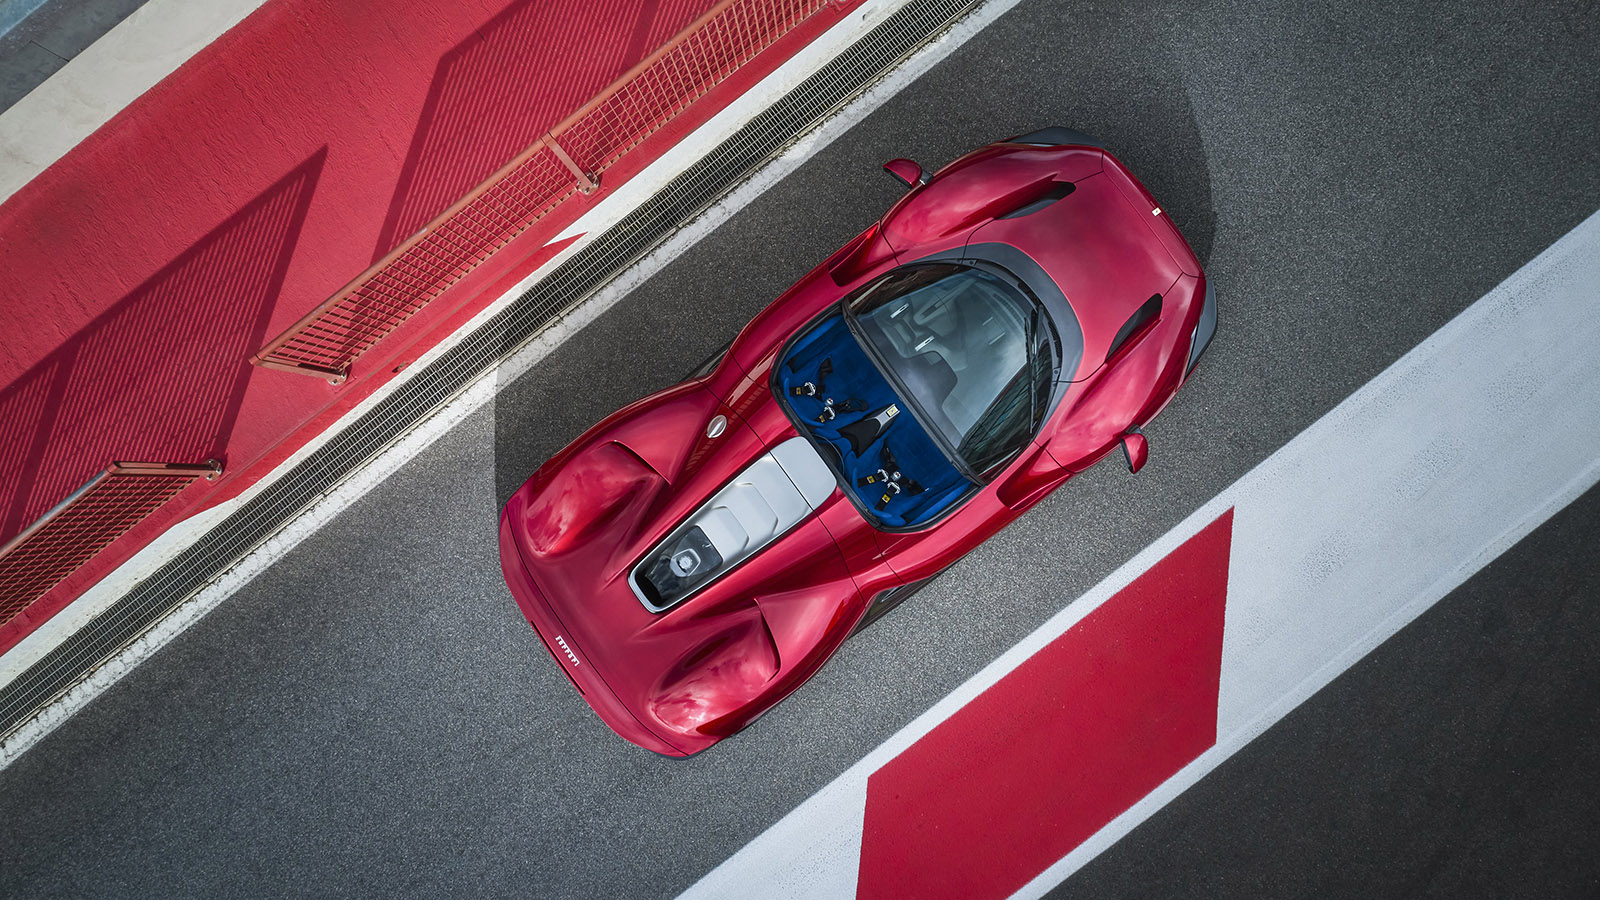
(1136, 690)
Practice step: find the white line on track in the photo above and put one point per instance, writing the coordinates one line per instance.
(484, 389)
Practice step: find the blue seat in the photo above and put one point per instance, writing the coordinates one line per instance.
(853, 377)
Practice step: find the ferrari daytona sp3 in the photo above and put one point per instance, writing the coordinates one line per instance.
(1014, 318)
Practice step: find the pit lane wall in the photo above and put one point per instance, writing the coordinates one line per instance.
(149, 261)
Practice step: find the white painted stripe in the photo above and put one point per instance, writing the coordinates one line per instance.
(605, 214)
(1340, 538)
(15, 12)
(100, 82)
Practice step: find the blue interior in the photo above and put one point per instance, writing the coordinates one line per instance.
(854, 377)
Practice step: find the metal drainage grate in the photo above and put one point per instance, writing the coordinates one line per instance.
(639, 232)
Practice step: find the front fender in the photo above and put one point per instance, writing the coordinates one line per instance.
(991, 181)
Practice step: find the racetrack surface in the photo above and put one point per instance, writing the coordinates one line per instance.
(373, 716)
(1456, 760)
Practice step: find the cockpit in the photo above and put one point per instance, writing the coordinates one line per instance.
(920, 385)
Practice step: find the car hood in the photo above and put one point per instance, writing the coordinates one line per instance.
(586, 517)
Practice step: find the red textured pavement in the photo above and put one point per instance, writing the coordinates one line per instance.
(145, 266)
(1061, 745)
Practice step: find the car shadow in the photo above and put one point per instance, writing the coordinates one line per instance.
(161, 375)
(492, 95)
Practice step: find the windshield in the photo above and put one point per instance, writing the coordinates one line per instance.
(972, 351)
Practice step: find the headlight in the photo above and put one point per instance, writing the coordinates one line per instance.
(1204, 329)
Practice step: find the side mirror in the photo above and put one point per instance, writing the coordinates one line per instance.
(906, 171)
(1135, 449)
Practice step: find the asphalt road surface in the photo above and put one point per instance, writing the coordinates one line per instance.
(372, 716)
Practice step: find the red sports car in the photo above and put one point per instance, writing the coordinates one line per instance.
(697, 556)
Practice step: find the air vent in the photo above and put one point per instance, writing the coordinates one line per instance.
(1137, 324)
(1058, 189)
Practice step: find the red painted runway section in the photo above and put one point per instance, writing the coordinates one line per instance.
(1059, 747)
(145, 266)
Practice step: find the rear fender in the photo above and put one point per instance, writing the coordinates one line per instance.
(721, 673)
